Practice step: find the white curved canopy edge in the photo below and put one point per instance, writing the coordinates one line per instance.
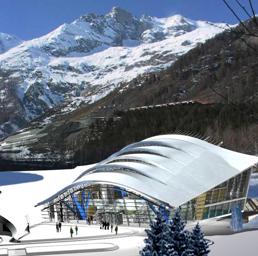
(172, 168)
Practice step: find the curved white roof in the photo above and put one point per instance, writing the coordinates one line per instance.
(172, 169)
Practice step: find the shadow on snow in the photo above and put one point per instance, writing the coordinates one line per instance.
(10, 178)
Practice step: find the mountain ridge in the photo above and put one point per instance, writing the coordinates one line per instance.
(82, 62)
(211, 90)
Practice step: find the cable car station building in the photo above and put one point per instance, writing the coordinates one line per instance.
(171, 171)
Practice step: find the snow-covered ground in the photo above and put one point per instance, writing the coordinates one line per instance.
(17, 201)
(238, 244)
(128, 245)
(48, 231)
(128, 239)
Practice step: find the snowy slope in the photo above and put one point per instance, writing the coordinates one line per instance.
(8, 41)
(114, 65)
(85, 60)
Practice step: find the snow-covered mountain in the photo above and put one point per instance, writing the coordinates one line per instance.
(8, 41)
(85, 60)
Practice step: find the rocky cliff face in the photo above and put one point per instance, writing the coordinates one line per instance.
(85, 60)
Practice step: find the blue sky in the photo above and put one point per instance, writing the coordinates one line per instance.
(32, 18)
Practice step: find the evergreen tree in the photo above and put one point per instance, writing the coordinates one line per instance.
(188, 252)
(155, 243)
(199, 244)
(171, 251)
(176, 236)
(172, 240)
(163, 247)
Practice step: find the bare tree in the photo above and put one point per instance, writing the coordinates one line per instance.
(245, 32)
(250, 14)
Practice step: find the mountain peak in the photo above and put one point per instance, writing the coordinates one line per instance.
(119, 11)
(179, 17)
(120, 15)
(177, 20)
(82, 61)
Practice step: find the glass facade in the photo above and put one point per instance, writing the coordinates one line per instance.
(98, 203)
(219, 200)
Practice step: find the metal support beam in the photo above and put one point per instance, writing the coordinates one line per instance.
(87, 201)
(80, 209)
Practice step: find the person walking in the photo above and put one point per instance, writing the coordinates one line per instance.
(111, 227)
(71, 232)
(116, 229)
(57, 227)
(60, 226)
(76, 230)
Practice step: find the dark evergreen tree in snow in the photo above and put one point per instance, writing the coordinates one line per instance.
(199, 244)
(155, 243)
(172, 240)
(188, 251)
(176, 236)
(163, 248)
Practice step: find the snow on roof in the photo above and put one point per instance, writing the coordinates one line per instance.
(172, 169)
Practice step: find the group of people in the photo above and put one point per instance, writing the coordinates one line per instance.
(71, 230)
(105, 225)
(58, 226)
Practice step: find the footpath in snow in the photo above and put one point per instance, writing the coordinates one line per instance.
(48, 231)
(44, 240)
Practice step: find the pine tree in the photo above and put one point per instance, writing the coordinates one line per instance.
(199, 244)
(155, 243)
(163, 247)
(188, 252)
(171, 252)
(176, 236)
(172, 239)
(188, 241)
